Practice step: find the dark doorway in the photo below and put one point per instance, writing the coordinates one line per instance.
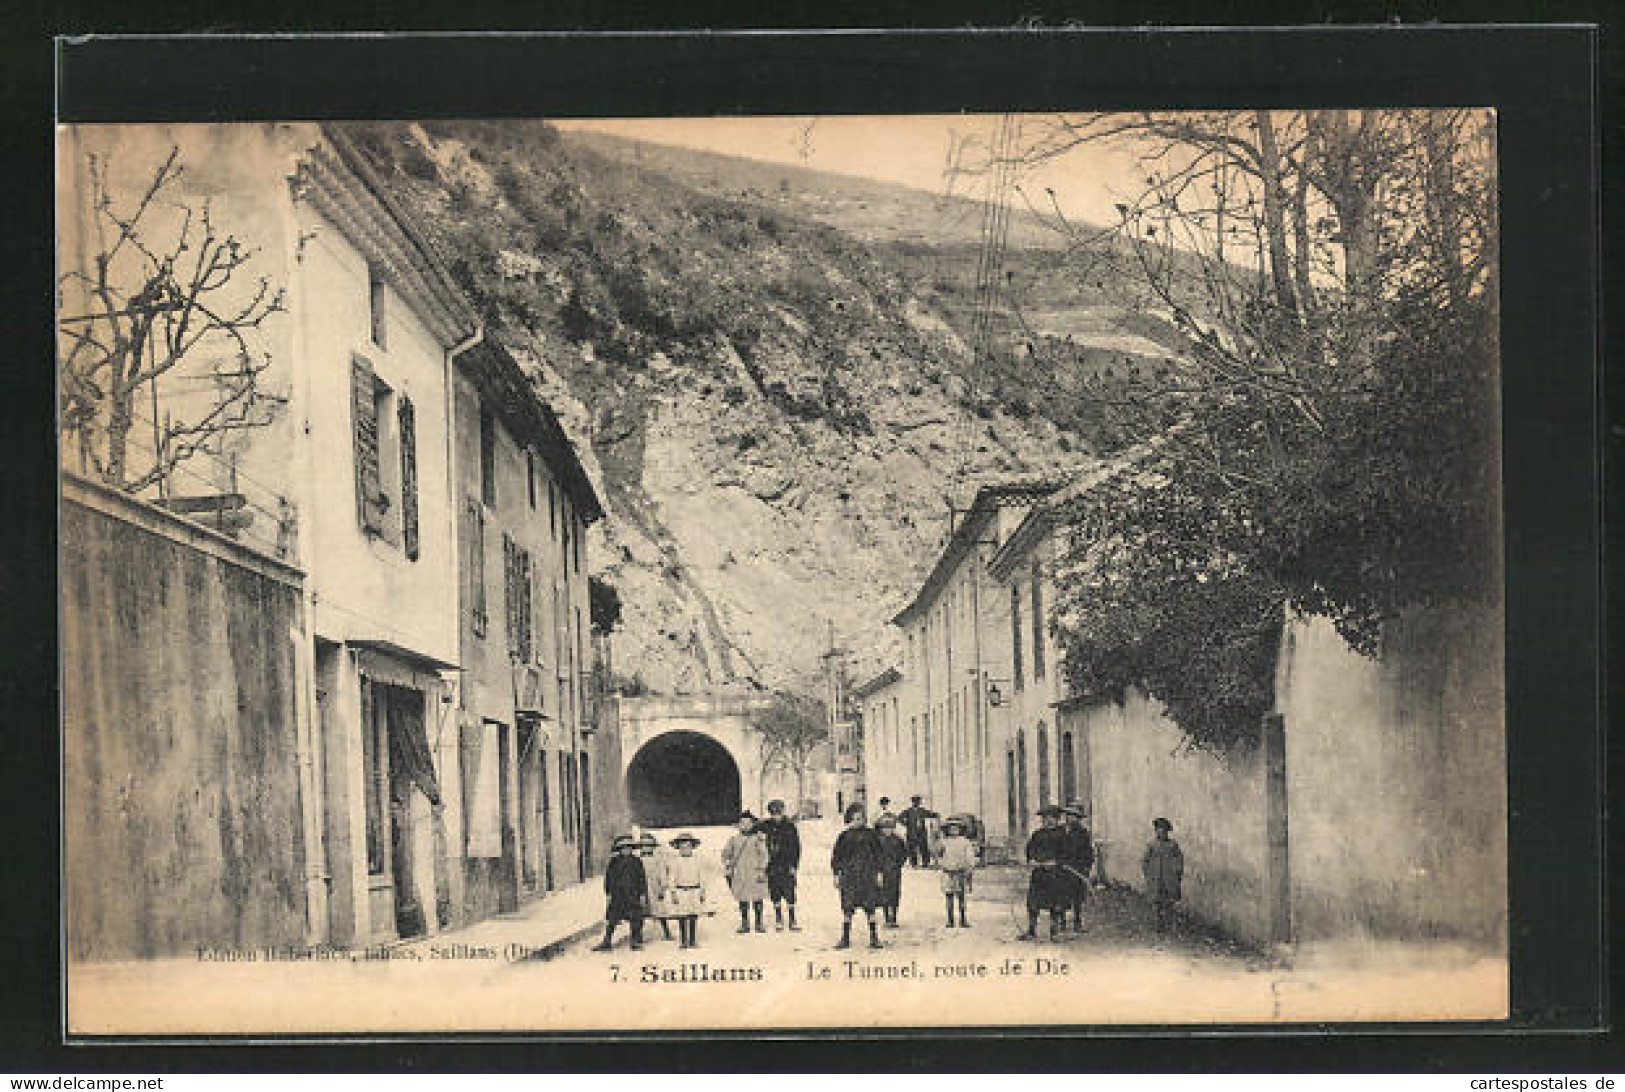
(683, 778)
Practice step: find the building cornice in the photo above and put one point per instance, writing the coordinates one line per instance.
(989, 499)
(880, 682)
(335, 180)
(513, 398)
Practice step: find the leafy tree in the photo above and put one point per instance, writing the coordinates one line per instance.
(792, 729)
(1324, 436)
(604, 601)
(161, 292)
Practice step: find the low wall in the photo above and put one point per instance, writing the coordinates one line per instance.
(1396, 773)
(1140, 769)
(1395, 789)
(181, 796)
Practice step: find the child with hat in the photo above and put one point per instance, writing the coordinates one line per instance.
(893, 854)
(1164, 868)
(958, 861)
(685, 889)
(655, 870)
(628, 891)
(744, 860)
(1046, 889)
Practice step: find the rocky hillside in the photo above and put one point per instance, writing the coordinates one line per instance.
(776, 410)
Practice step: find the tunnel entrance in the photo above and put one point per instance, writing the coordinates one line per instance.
(683, 779)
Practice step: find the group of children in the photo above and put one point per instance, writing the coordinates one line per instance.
(867, 862)
(642, 882)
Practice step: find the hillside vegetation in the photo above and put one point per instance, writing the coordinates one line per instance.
(777, 410)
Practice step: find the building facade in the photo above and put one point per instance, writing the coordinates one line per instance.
(886, 757)
(527, 743)
(1046, 759)
(441, 774)
(956, 642)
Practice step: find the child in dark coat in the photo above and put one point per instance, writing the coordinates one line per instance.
(627, 887)
(1164, 869)
(893, 855)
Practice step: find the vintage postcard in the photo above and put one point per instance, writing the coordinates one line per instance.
(781, 573)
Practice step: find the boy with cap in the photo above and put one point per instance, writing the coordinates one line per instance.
(685, 889)
(783, 858)
(1046, 890)
(856, 863)
(628, 891)
(1077, 858)
(1164, 868)
(893, 853)
(958, 861)
(744, 860)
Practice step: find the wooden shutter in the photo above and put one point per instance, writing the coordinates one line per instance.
(1015, 634)
(476, 566)
(409, 477)
(1038, 622)
(510, 597)
(364, 417)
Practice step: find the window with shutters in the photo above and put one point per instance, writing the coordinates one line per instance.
(488, 458)
(377, 293)
(1038, 624)
(378, 468)
(476, 567)
(408, 434)
(1015, 635)
(517, 597)
(370, 507)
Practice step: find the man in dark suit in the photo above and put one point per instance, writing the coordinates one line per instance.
(914, 818)
(1046, 889)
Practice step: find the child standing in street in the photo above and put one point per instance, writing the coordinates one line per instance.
(1164, 869)
(958, 862)
(893, 855)
(655, 870)
(856, 864)
(628, 892)
(685, 889)
(744, 861)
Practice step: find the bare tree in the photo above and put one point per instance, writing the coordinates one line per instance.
(159, 293)
(792, 729)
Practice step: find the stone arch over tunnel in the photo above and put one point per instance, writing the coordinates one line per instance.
(683, 778)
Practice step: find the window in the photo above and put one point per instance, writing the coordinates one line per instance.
(476, 567)
(364, 406)
(565, 519)
(409, 477)
(1038, 623)
(1069, 769)
(1015, 635)
(530, 476)
(383, 465)
(376, 293)
(552, 510)
(488, 458)
(1043, 764)
(517, 598)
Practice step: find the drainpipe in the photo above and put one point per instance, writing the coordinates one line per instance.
(308, 734)
(454, 589)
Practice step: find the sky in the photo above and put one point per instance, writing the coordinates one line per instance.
(909, 150)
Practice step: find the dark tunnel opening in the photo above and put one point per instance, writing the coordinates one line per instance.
(683, 779)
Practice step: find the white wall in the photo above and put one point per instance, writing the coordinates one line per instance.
(1396, 773)
(1140, 770)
